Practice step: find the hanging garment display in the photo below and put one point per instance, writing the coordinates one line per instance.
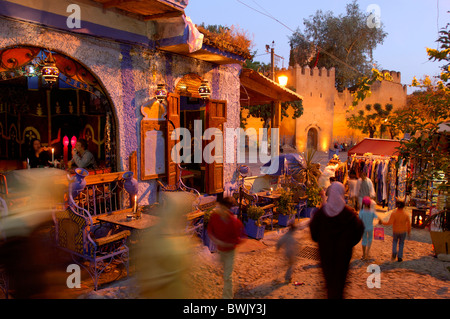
(401, 188)
(392, 180)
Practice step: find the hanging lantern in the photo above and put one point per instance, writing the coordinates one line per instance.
(30, 70)
(49, 71)
(161, 92)
(204, 90)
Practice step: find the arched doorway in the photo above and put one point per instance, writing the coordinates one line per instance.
(312, 139)
(75, 106)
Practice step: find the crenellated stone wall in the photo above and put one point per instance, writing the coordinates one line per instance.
(384, 92)
(326, 109)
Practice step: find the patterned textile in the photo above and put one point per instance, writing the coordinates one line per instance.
(401, 192)
(392, 184)
(380, 182)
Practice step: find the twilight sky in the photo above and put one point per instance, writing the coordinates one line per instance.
(411, 26)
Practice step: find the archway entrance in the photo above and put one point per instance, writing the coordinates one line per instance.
(312, 139)
(75, 106)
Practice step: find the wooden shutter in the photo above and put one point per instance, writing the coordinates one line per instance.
(215, 116)
(173, 122)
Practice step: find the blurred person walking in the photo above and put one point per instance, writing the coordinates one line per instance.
(163, 253)
(353, 190)
(290, 245)
(226, 231)
(367, 215)
(401, 225)
(365, 188)
(336, 228)
(27, 252)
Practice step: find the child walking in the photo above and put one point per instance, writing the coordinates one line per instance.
(367, 215)
(401, 225)
(290, 250)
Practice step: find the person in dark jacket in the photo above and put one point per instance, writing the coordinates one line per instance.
(336, 228)
(38, 155)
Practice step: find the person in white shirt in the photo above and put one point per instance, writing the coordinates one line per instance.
(365, 188)
(353, 190)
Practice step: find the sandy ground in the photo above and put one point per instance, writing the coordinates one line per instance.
(259, 272)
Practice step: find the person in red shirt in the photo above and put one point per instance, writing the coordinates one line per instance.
(226, 231)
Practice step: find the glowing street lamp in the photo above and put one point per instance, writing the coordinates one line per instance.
(282, 78)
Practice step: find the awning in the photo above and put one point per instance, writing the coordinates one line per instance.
(381, 147)
(148, 9)
(258, 89)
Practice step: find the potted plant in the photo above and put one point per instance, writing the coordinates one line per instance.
(298, 197)
(313, 200)
(440, 231)
(253, 226)
(205, 238)
(309, 176)
(286, 215)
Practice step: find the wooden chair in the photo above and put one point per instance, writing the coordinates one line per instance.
(244, 199)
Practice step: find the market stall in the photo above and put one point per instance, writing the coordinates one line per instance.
(378, 158)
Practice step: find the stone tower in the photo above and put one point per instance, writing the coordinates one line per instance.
(314, 128)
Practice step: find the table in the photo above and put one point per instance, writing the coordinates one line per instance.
(272, 196)
(146, 221)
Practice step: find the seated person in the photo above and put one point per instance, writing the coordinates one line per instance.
(38, 155)
(81, 157)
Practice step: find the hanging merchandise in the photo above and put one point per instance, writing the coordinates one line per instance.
(392, 183)
(382, 171)
(402, 170)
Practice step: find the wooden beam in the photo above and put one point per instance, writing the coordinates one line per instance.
(171, 14)
(260, 88)
(276, 114)
(115, 3)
